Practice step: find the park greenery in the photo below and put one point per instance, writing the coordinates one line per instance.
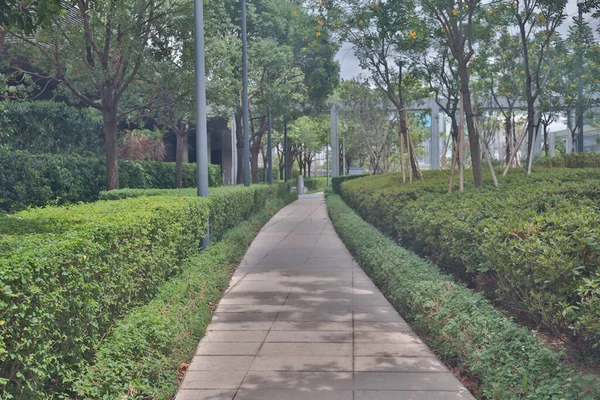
(103, 288)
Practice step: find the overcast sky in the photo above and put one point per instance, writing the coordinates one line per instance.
(349, 62)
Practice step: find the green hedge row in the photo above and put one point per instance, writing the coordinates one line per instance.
(141, 356)
(573, 160)
(462, 326)
(337, 181)
(38, 180)
(533, 242)
(318, 183)
(67, 273)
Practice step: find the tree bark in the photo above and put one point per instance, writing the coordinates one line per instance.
(473, 138)
(109, 116)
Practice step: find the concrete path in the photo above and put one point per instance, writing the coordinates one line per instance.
(302, 321)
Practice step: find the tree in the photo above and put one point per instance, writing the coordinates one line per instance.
(386, 36)
(369, 109)
(536, 21)
(499, 68)
(309, 135)
(456, 22)
(98, 58)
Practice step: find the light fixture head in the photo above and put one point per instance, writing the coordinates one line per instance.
(580, 2)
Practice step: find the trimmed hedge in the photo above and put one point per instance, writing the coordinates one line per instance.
(140, 358)
(39, 180)
(534, 241)
(463, 327)
(337, 181)
(318, 183)
(67, 273)
(573, 160)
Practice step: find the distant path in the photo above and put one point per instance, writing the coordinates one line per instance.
(302, 321)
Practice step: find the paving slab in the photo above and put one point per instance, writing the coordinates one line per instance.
(302, 321)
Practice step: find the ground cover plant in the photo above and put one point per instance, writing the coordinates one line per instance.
(68, 273)
(37, 180)
(461, 326)
(532, 244)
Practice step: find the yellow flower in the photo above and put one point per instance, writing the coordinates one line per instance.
(318, 33)
(455, 12)
(583, 76)
(573, 85)
(320, 2)
(413, 33)
(339, 21)
(522, 72)
(545, 68)
(294, 13)
(361, 21)
(508, 94)
(320, 21)
(569, 98)
(304, 49)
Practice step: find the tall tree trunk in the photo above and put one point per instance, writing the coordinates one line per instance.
(473, 138)
(509, 135)
(180, 150)
(239, 134)
(109, 117)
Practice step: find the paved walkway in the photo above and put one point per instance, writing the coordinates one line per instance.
(302, 321)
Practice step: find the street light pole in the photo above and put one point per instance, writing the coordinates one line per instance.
(269, 141)
(245, 96)
(580, 4)
(201, 130)
(285, 151)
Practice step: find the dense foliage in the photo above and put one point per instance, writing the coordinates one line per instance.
(462, 326)
(47, 127)
(337, 181)
(37, 180)
(316, 184)
(67, 273)
(140, 358)
(535, 239)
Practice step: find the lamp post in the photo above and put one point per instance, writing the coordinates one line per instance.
(269, 140)
(580, 4)
(245, 95)
(201, 130)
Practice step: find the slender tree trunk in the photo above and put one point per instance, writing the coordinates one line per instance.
(509, 135)
(239, 133)
(109, 117)
(179, 153)
(473, 139)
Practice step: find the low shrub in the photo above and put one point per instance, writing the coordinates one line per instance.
(461, 326)
(314, 184)
(573, 160)
(533, 241)
(38, 180)
(141, 356)
(67, 273)
(336, 181)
